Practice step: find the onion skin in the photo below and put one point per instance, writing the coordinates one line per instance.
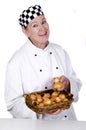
(57, 86)
(33, 97)
(47, 102)
(56, 80)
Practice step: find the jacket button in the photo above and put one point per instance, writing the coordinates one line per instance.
(35, 54)
(45, 87)
(40, 70)
(56, 67)
(65, 116)
(50, 52)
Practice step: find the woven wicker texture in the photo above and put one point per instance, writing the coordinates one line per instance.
(53, 104)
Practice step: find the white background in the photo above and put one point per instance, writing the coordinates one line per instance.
(67, 20)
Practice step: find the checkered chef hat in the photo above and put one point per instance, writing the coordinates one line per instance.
(30, 14)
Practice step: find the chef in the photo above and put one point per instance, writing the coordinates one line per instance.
(35, 65)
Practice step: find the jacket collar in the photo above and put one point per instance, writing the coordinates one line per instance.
(35, 50)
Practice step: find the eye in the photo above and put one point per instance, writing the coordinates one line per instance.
(35, 25)
(43, 22)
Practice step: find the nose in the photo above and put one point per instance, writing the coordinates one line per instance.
(41, 27)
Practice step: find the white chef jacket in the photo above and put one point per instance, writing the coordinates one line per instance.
(31, 69)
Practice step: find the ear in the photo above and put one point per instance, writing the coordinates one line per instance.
(24, 31)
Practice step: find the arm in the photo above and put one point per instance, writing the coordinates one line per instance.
(75, 83)
(69, 73)
(14, 93)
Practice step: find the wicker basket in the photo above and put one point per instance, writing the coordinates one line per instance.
(64, 104)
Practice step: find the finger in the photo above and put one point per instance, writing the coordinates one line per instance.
(62, 78)
(57, 112)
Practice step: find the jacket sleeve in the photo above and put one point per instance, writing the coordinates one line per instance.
(14, 93)
(74, 80)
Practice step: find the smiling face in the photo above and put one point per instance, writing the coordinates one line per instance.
(38, 31)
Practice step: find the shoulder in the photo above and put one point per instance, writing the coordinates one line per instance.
(57, 45)
(17, 56)
(57, 48)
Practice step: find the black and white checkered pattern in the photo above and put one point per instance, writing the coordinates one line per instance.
(29, 14)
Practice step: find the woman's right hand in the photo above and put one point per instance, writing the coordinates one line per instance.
(56, 112)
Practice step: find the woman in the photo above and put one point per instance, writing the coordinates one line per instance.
(35, 65)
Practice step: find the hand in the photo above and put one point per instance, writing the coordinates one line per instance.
(66, 83)
(56, 112)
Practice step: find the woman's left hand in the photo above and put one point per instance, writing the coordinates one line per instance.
(66, 83)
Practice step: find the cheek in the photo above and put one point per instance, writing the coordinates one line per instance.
(30, 34)
(47, 26)
(33, 33)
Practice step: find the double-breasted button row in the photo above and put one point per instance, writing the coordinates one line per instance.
(36, 54)
(42, 70)
(50, 54)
